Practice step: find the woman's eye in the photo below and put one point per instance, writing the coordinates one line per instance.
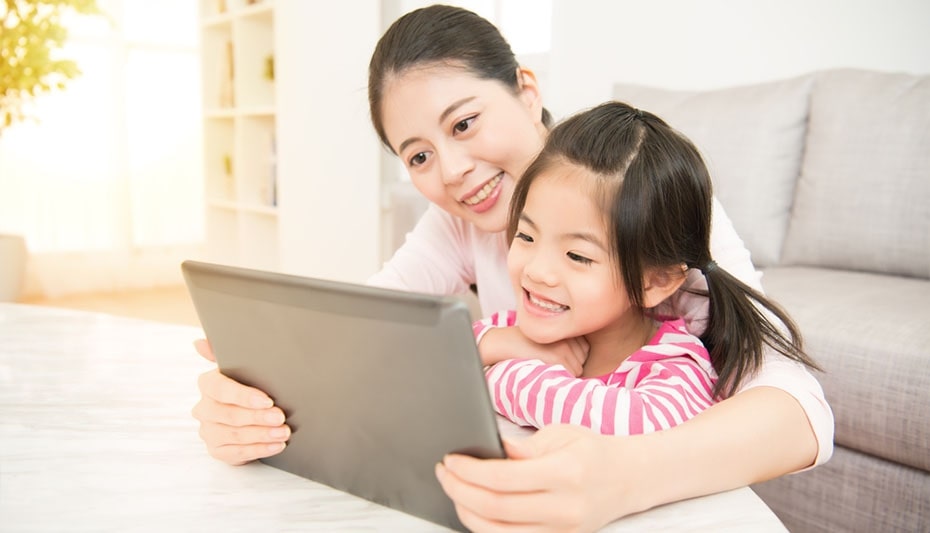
(523, 237)
(418, 159)
(578, 258)
(463, 125)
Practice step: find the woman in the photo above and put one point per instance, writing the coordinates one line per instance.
(448, 97)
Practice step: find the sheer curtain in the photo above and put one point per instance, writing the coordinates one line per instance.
(106, 185)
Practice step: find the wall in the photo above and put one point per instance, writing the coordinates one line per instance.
(328, 153)
(690, 44)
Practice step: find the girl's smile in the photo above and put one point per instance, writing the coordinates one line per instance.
(540, 306)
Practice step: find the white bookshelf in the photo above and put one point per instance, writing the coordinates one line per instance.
(240, 132)
(291, 166)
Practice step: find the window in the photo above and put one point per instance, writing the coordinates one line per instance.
(106, 185)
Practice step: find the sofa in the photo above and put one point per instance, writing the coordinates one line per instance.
(826, 177)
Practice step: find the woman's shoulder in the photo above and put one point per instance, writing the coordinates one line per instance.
(436, 219)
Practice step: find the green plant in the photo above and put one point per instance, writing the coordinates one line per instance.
(31, 32)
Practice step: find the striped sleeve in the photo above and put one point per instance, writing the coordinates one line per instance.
(658, 387)
(502, 319)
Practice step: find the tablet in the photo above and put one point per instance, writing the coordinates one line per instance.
(377, 385)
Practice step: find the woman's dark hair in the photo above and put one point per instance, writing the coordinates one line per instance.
(656, 195)
(440, 34)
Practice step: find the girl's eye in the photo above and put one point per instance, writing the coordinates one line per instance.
(418, 159)
(523, 237)
(463, 125)
(578, 258)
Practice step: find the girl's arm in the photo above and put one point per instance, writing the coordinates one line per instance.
(568, 478)
(656, 388)
(498, 339)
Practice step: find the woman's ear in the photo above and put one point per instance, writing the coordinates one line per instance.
(530, 94)
(660, 283)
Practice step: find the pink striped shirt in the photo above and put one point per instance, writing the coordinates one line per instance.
(659, 386)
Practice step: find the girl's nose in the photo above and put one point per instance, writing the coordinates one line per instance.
(456, 162)
(539, 269)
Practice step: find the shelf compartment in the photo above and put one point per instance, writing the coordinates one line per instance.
(256, 173)
(219, 159)
(253, 86)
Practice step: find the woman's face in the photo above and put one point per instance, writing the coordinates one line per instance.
(464, 140)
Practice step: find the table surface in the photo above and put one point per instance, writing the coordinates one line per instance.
(96, 435)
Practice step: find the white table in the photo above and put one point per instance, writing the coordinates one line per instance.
(96, 435)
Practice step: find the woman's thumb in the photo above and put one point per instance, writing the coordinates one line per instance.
(520, 448)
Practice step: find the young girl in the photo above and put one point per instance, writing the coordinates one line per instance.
(449, 98)
(605, 224)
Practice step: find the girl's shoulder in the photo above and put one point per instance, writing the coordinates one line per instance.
(672, 339)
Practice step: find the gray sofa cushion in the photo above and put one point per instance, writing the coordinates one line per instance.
(752, 139)
(870, 333)
(863, 197)
(851, 492)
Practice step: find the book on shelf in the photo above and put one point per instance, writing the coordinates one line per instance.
(225, 74)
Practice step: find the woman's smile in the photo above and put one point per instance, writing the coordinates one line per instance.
(485, 196)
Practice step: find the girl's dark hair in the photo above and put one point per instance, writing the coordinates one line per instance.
(656, 196)
(440, 34)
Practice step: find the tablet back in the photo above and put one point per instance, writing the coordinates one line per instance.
(377, 385)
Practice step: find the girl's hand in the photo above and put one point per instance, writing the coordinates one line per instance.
(499, 344)
(563, 478)
(237, 423)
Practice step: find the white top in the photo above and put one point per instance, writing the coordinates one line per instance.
(445, 254)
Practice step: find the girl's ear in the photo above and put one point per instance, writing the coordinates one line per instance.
(660, 283)
(530, 94)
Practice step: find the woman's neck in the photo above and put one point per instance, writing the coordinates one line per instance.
(610, 347)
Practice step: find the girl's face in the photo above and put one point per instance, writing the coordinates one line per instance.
(464, 140)
(566, 282)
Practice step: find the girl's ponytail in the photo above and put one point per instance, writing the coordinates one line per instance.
(741, 322)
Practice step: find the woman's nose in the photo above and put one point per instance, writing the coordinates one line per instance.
(456, 162)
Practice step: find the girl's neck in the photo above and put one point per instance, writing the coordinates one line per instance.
(609, 348)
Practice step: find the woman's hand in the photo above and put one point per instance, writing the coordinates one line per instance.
(237, 423)
(563, 478)
(500, 343)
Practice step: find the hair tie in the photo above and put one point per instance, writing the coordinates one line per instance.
(708, 267)
(639, 113)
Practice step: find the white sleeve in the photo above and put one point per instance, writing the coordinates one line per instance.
(435, 258)
(777, 371)
(728, 249)
(792, 377)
